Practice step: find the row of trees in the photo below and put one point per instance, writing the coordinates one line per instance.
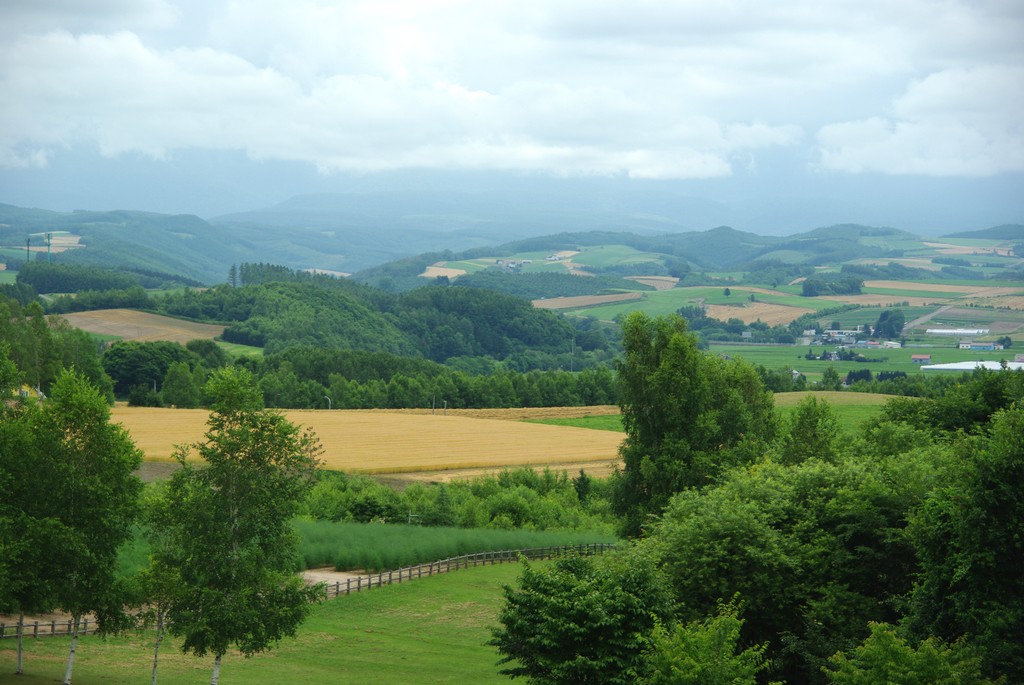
(789, 552)
(169, 374)
(223, 549)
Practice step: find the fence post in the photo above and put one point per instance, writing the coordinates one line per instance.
(35, 630)
(53, 627)
(85, 627)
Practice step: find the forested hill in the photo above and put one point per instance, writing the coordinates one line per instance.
(434, 322)
(676, 254)
(1004, 232)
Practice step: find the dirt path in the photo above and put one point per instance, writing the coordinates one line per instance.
(927, 317)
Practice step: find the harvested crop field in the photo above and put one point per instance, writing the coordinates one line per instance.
(439, 269)
(885, 300)
(656, 282)
(384, 442)
(980, 290)
(771, 314)
(584, 301)
(129, 324)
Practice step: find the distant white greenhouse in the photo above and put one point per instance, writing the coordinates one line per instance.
(959, 332)
(971, 366)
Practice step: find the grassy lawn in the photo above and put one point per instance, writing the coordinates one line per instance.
(432, 630)
(8, 277)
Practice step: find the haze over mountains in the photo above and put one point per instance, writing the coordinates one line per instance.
(356, 231)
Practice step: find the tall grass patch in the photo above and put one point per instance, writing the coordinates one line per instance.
(378, 547)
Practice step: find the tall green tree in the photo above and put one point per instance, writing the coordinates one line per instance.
(181, 387)
(26, 536)
(92, 496)
(688, 415)
(811, 432)
(227, 526)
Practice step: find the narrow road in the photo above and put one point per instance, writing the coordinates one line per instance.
(927, 317)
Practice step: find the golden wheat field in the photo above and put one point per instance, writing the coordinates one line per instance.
(385, 442)
(771, 314)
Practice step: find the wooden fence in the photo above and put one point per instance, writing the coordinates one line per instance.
(356, 584)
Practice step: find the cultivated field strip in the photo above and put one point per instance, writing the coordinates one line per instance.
(395, 442)
(129, 324)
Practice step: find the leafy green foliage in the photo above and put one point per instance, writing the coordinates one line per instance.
(580, 620)
(967, 535)
(812, 432)
(704, 652)
(814, 549)
(890, 324)
(518, 498)
(40, 347)
(688, 416)
(134, 363)
(831, 284)
(885, 657)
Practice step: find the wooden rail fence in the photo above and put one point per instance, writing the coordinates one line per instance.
(357, 584)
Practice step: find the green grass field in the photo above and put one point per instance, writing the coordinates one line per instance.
(236, 350)
(852, 409)
(432, 630)
(614, 255)
(8, 277)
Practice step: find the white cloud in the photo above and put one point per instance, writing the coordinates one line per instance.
(658, 89)
(958, 122)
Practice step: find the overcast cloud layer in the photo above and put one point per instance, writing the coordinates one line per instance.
(649, 89)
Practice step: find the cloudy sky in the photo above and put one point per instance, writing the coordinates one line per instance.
(141, 103)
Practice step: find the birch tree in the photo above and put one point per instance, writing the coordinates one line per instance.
(228, 529)
(93, 496)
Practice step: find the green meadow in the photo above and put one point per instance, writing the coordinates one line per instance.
(431, 630)
(852, 410)
(793, 356)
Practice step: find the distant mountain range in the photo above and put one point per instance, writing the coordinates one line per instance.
(353, 232)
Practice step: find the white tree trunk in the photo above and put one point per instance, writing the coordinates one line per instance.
(216, 670)
(21, 631)
(71, 654)
(159, 638)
